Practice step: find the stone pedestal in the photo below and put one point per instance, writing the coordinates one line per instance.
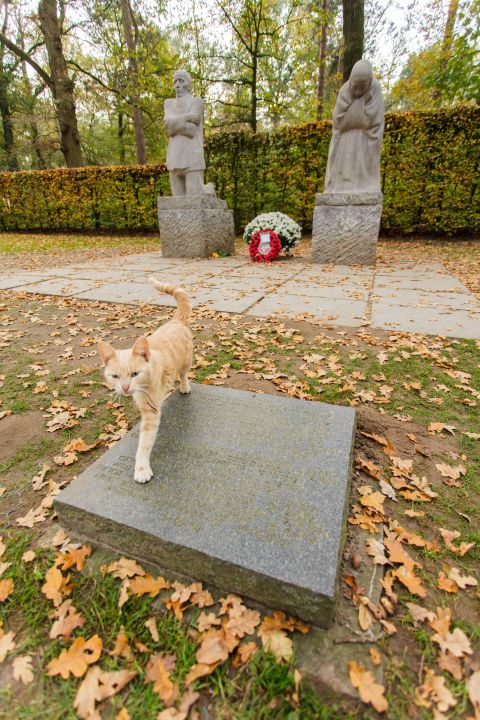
(195, 226)
(345, 228)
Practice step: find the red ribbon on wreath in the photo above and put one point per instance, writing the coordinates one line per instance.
(254, 246)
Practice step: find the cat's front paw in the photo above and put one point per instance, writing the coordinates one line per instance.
(143, 473)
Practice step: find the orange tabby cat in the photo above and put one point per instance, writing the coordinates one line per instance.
(148, 371)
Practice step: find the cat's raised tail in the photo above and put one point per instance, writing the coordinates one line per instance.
(184, 306)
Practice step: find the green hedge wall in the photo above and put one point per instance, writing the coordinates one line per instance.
(430, 180)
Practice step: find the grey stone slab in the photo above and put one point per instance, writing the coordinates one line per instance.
(427, 320)
(232, 503)
(348, 198)
(97, 274)
(332, 310)
(63, 286)
(412, 279)
(21, 278)
(131, 293)
(195, 230)
(339, 273)
(310, 288)
(424, 298)
(225, 300)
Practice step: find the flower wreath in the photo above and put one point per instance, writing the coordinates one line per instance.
(275, 246)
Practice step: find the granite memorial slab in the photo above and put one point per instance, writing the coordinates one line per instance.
(249, 494)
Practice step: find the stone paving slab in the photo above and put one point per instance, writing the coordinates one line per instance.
(23, 278)
(230, 504)
(63, 286)
(428, 320)
(408, 296)
(331, 310)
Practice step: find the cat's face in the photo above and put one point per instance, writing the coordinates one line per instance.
(126, 370)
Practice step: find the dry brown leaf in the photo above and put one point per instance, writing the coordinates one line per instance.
(56, 586)
(436, 427)
(78, 445)
(456, 643)
(444, 583)
(147, 584)
(158, 671)
(125, 568)
(244, 653)
(97, 686)
(186, 702)
(473, 688)
(365, 617)
(72, 557)
(22, 669)
(369, 468)
(278, 642)
(451, 664)
(441, 623)
(243, 624)
(376, 549)
(370, 691)
(450, 472)
(28, 556)
(122, 646)
(405, 573)
(374, 500)
(6, 588)
(151, 625)
(213, 649)
(419, 613)
(66, 459)
(67, 620)
(123, 714)
(60, 538)
(375, 657)
(76, 659)
(449, 536)
(462, 581)
(38, 482)
(7, 643)
(199, 670)
(206, 621)
(434, 691)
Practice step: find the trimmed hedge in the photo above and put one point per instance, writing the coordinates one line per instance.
(430, 180)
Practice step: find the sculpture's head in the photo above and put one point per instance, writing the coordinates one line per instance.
(360, 78)
(182, 82)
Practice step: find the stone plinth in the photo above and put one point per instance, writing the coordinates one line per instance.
(249, 494)
(195, 226)
(345, 228)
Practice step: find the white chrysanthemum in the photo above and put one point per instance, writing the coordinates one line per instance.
(287, 229)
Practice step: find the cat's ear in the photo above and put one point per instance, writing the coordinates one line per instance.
(142, 348)
(106, 351)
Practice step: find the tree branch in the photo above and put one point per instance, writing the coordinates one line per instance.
(24, 56)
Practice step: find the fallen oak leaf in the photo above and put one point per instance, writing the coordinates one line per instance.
(473, 688)
(449, 536)
(419, 613)
(158, 671)
(56, 585)
(462, 581)
(67, 620)
(451, 664)
(244, 653)
(22, 669)
(76, 659)
(199, 670)
(370, 691)
(122, 646)
(376, 550)
(125, 568)
(147, 584)
(6, 588)
(7, 644)
(206, 621)
(434, 691)
(456, 643)
(212, 649)
(151, 625)
(444, 583)
(73, 557)
(99, 685)
(437, 427)
(405, 573)
(447, 471)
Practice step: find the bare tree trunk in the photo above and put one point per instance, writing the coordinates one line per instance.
(38, 160)
(353, 34)
(62, 84)
(131, 40)
(7, 124)
(446, 50)
(322, 57)
(121, 139)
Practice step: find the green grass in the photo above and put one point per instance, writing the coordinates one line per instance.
(13, 243)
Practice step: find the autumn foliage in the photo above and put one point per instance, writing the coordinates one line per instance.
(429, 180)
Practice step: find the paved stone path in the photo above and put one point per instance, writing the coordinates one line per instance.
(410, 297)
